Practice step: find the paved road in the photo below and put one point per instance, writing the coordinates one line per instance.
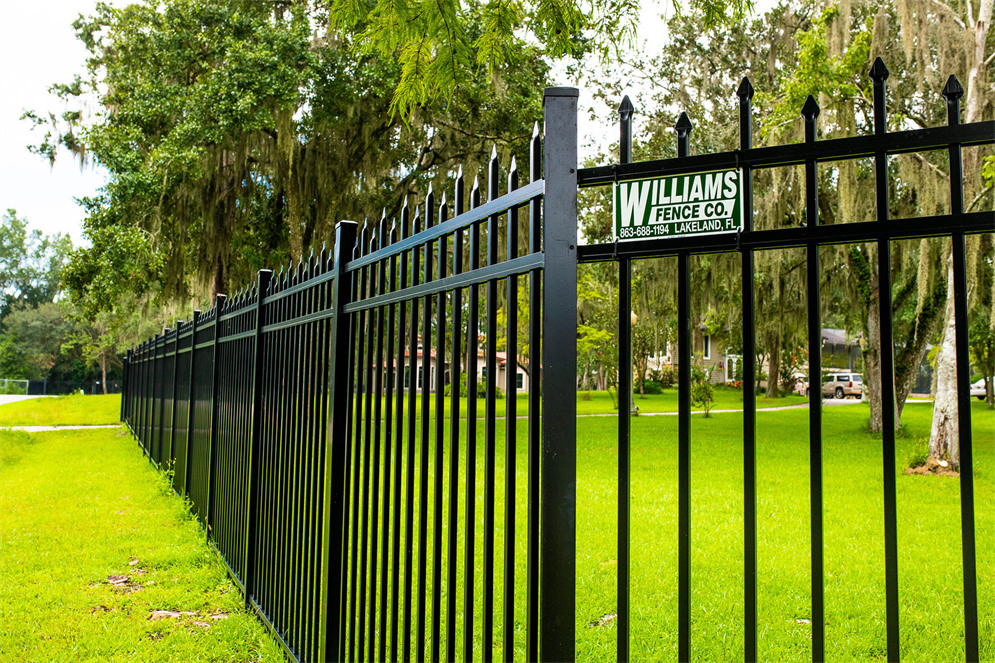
(42, 429)
(13, 398)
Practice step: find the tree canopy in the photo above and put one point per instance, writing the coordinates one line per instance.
(796, 50)
(238, 133)
(31, 263)
(441, 46)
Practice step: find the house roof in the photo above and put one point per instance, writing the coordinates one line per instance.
(838, 337)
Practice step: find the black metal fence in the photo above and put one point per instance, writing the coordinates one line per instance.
(366, 505)
(811, 153)
(371, 510)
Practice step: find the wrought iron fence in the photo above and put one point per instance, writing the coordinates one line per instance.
(366, 505)
(810, 236)
(369, 508)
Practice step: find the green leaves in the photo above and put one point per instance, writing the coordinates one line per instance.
(238, 133)
(841, 78)
(121, 261)
(30, 263)
(441, 45)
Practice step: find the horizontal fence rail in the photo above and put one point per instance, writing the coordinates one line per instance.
(359, 434)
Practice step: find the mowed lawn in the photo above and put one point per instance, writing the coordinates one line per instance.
(929, 539)
(99, 560)
(928, 529)
(70, 410)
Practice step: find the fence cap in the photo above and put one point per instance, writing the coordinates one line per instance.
(560, 92)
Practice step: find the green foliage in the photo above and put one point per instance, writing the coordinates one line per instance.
(34, 338)
(30, 263)
(120, 262)
(481, 388)
(440, 46)
(11, 365)
(919, 454)
(988, 171)
(666, 378)
(11, 386)
(702, 393)
(652, 388)
(462, 386)
(237, 134)
(843, 78)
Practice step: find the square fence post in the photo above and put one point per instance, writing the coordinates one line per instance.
(252, 497)
(158, 394)
(172, 398)
(212, 449)
(124, 386)
(332, 583)
(559, 375)
(190, 402)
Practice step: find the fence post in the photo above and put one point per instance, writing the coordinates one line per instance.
(252, 498)
(190, 402)
(124, 383)
(172, 397)
(559, 375)
(143, 388)
(142, 395)
(952, 92)
(336, 438)
(155, 434)
(219, 302)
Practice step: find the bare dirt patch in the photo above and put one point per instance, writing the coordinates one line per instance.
(123, 584)
(933, 467)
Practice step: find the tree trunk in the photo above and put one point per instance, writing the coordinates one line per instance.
(774, 369)
(218, 281)
(911, 356)
(913, 359)
(944, 434)
(103, 371)
(872, 358)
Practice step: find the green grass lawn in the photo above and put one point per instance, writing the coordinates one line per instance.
(82, 410)
(94, 542)
(928, 526)
(601, 402)
(726, 398)
(74, 409)
(928, 529)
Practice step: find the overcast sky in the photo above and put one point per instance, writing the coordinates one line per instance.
(38, 48)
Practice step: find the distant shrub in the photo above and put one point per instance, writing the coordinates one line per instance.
(665, 378)
(462, 386)
(652, 388)
(702, 394)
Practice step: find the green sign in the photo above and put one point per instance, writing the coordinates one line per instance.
(697, 204)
